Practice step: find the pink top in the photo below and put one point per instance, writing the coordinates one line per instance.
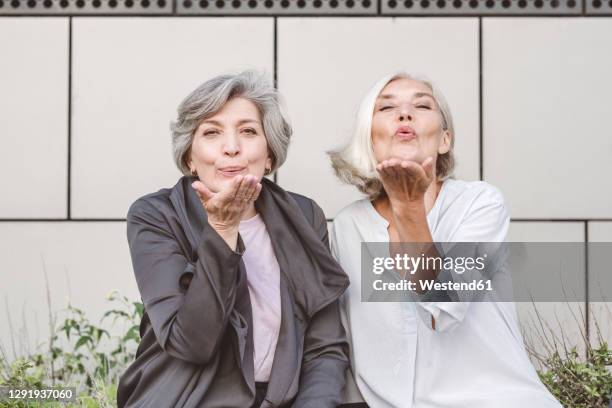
(263, 277)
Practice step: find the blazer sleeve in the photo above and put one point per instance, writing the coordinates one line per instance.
(188, 324)
(325, 357)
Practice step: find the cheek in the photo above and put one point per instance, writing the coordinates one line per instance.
(430, 130)
(432, 124)
(380, 148)
(381, 139)
(379, 128)
(256, 152)
(204, 152)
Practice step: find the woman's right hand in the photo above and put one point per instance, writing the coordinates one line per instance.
(226, 208)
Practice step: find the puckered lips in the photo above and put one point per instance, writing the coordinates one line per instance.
(231, 171)
(405, 133)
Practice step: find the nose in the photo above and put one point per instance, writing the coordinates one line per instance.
(405, 114)
(232, 145)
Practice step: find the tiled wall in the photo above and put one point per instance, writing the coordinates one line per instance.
(86, 98)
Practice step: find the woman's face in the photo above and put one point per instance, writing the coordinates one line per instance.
(230, 143)
(407, 123)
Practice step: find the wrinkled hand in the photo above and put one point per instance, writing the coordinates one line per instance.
(225, 208)
(405, 181)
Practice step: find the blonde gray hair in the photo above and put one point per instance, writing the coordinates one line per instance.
(355, 163)
(210, 97)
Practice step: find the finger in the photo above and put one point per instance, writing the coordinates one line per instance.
(203, 191)
(407, 172)
(242, 193)
(234, 192)
(396, 173)
(408, 166)
(249, 188)
(256, 192)
(396, 166)
(382, 169)
(428, 166)
(382, 164)
(386, 163)
(390, 169)
(253, 185)
(413, 169)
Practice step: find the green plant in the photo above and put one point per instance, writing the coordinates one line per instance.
(81, 354)
(577, 380)
(580, 383)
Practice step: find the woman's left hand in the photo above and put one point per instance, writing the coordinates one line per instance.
(405, 181)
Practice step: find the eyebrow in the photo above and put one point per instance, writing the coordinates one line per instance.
(217, 123)
(416, 95)
(243, 121)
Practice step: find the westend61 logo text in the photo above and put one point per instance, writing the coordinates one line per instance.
(411, 264)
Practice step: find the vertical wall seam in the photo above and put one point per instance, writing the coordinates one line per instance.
(69, 161)
(587, 313)
(275, 64)
(480, 109)
(275, 51)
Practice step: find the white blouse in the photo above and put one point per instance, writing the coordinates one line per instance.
(474, 357)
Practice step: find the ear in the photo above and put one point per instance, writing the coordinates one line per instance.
(188, 160)
(445, 143)
(269, 163)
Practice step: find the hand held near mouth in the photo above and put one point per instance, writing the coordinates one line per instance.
(227, 207)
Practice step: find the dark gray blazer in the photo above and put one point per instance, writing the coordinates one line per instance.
(197, 341)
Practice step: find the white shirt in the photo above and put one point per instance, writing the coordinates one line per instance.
(263, 277)
(474, 357)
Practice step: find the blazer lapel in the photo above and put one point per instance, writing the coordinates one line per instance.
(190, 211)
(244, 331)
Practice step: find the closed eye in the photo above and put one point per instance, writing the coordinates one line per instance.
(211, 132)
(386, 107)
(424, 107)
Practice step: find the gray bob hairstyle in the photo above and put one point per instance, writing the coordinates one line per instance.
(355, 163)
(210, 97)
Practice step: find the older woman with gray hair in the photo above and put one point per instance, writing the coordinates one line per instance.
(423, 353)
(240, 291)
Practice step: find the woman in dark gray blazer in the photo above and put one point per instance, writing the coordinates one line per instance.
(239, 288)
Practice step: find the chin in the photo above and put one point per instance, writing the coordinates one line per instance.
(223, 183)
(410, 156)
(215, 185)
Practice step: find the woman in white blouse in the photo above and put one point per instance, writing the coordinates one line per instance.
(423, 354)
